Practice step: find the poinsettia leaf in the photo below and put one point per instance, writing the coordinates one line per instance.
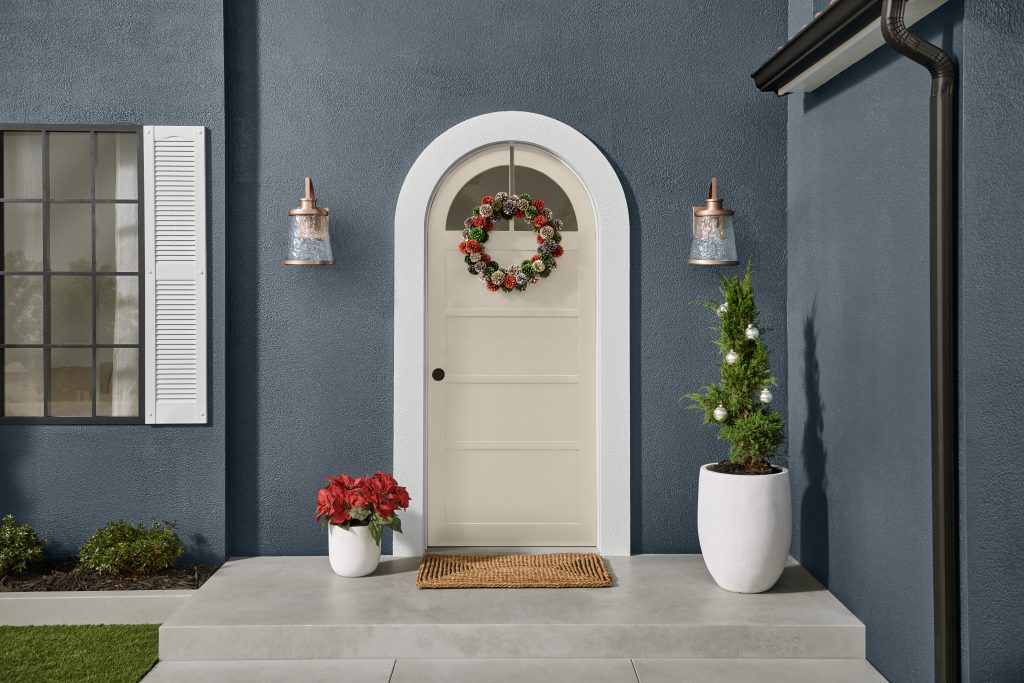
(360, 512)
(394, 523)
(376, 530)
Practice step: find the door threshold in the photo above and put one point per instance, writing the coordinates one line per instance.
(505, 549)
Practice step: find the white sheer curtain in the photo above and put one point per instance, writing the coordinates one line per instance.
(23, 250)
(124, 380)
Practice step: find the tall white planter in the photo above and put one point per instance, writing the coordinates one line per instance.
(353, 552)
(744, 523)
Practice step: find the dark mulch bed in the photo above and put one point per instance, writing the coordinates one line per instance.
(65, 575)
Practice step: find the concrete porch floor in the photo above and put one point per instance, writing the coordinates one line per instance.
(664, 619)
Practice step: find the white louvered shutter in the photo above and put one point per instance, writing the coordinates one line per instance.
(175, 200)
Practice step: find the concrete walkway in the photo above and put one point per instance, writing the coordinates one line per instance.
(521, 671)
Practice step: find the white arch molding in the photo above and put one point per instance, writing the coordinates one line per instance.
(410, 372)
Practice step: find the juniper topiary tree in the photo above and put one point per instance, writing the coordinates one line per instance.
(738, 404)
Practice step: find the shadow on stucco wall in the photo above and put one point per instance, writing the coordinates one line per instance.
(858, 73)
(243, 366)
(814, 532)
(16, 442)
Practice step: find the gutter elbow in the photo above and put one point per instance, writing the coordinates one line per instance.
(894, 29)
(896, 35)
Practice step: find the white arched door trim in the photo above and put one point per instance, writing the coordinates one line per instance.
(410, 372)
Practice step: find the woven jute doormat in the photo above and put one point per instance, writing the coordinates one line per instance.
(555, 570)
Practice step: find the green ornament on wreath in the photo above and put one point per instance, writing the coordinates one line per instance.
(516, 277)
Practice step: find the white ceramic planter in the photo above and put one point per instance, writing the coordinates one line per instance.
(353, 552)
(744, 523)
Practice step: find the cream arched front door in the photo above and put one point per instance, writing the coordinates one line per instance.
(511, 437)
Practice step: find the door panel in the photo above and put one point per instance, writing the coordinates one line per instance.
(506, 354)
(475, 413)
(497, 486)
(511, 432)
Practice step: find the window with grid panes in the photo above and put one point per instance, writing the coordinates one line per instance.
(72, 314)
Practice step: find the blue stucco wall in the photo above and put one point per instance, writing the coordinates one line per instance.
(114, 61)
(301, 383)
(991, 304)
(858, 352)
(859, 374)
(858, 342)
(351, 95)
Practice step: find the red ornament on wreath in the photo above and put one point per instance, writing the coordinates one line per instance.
(516, 277)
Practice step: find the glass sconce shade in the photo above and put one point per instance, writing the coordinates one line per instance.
(714, 242)
(310, 240)
(309, 234)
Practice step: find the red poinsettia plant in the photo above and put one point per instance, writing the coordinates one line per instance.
(363, 501)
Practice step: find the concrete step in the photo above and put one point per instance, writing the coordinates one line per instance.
(659, 606)
(520, 670)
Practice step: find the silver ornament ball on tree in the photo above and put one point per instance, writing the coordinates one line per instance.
(752, 332)
(723, 308)
(731, 357)
(766, 396)
(720, 413)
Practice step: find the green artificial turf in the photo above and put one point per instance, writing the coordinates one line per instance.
(93, 654)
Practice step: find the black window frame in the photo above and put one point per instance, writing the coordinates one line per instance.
(46, 201)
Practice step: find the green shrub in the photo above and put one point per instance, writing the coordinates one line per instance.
(19, 546)
(120, 548)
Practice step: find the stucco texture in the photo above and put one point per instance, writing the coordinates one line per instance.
(991, 308)
(859, 373)
(351, 94)
(859, 351)
(112, 61)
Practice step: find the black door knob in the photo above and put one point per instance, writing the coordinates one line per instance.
(437, 374)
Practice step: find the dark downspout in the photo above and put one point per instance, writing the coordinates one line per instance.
(945, 555)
